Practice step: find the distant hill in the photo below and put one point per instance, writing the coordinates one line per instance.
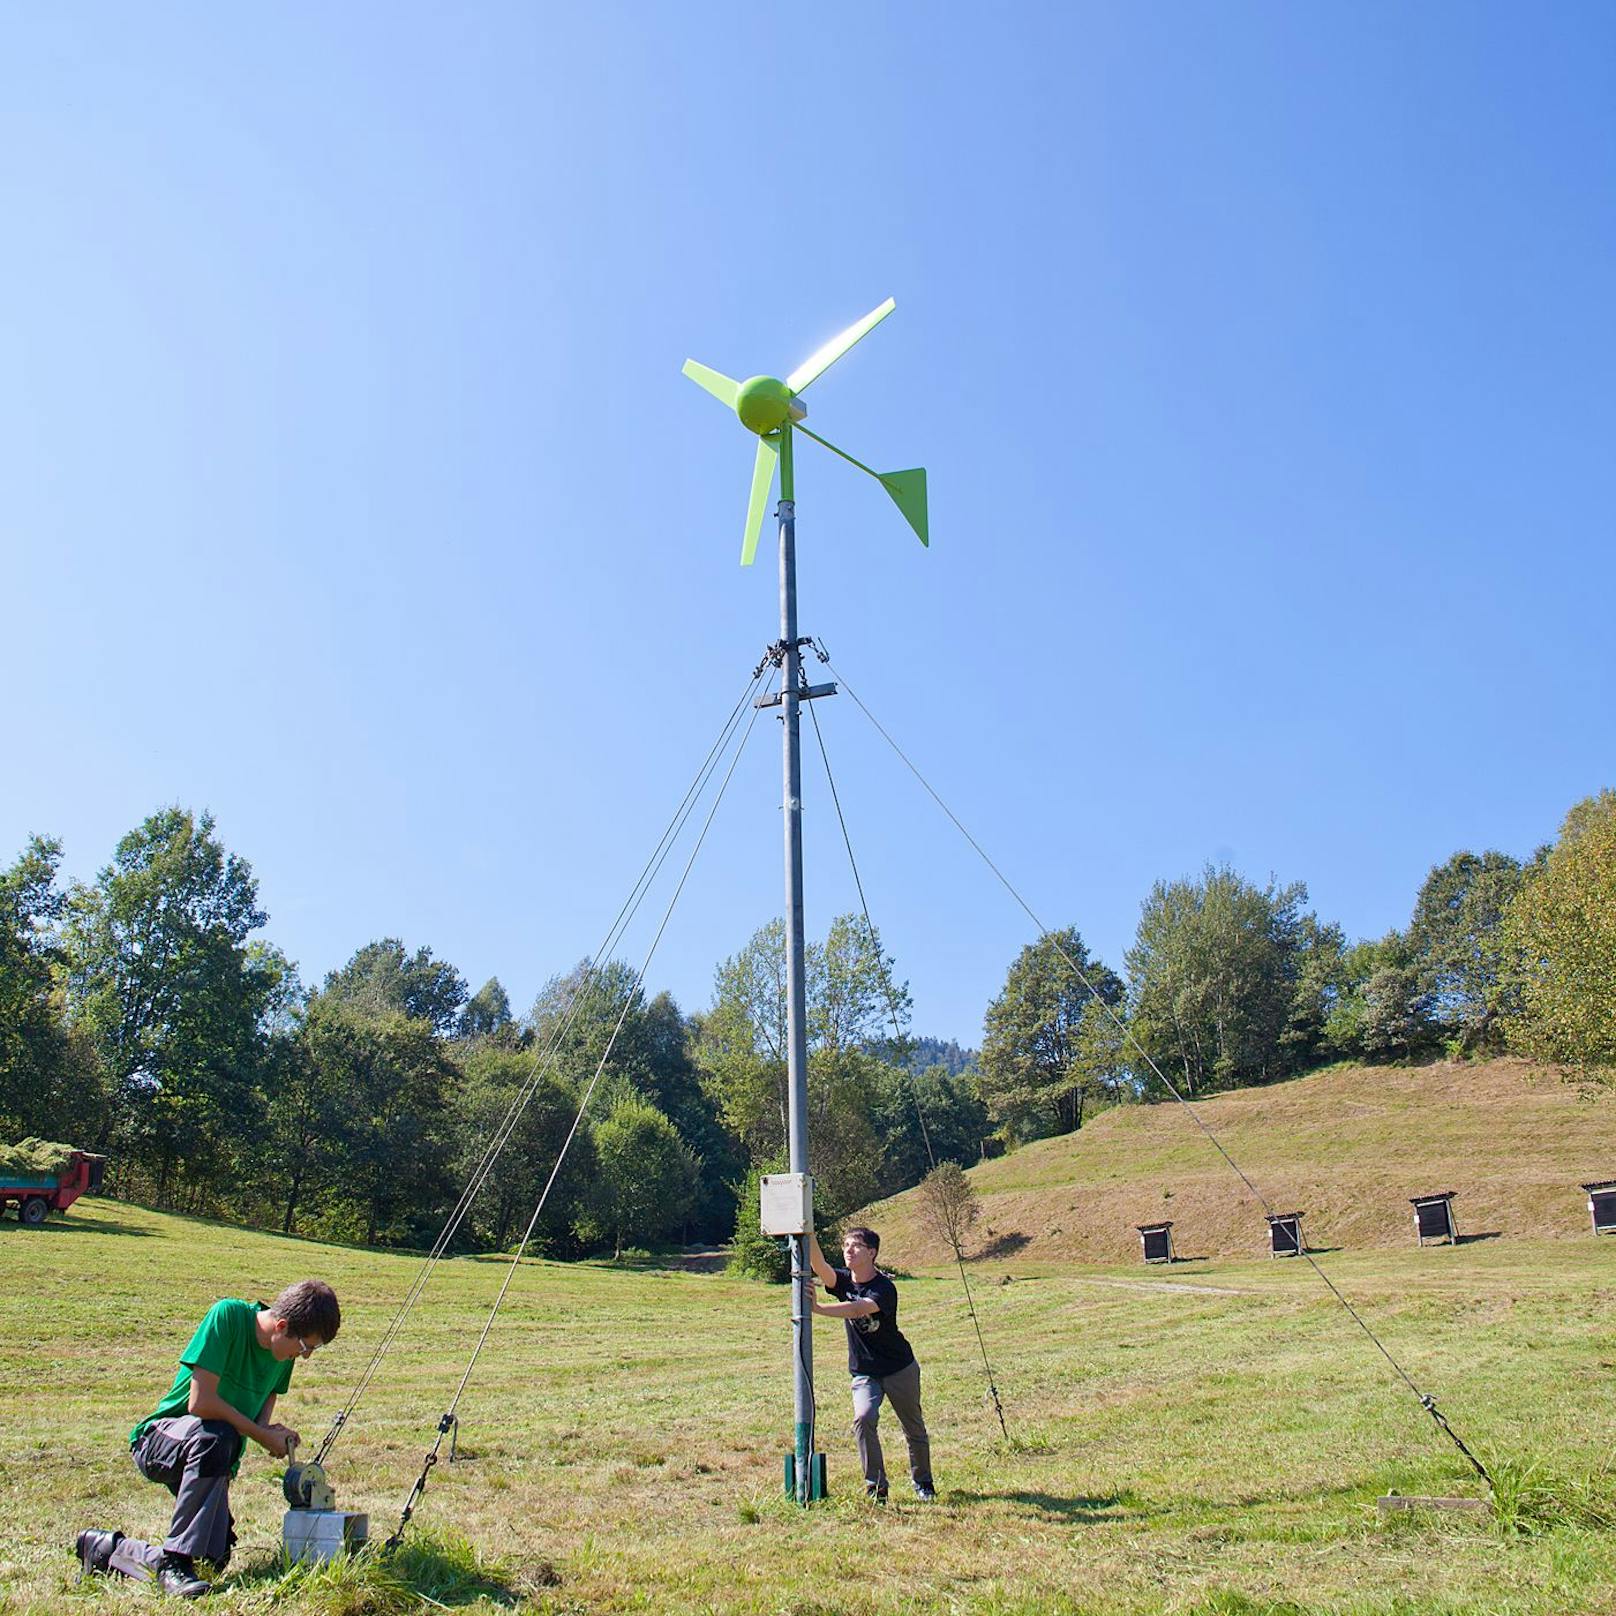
(1347, 1147)
(944, 1052)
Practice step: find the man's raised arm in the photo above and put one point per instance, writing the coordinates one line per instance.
(823, 1272)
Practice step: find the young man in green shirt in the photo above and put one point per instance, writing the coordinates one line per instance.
(238, 1363)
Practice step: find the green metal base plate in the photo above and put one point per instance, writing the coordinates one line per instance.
(816, 1478)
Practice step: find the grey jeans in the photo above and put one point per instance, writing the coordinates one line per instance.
(903, 1388)
(192, 1458)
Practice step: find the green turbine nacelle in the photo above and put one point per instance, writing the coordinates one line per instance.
(765, 404)
(771, 408)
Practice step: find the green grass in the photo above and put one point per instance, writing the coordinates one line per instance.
(1187, 1443)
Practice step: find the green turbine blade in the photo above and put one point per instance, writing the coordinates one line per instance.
(720, 386)
(819, 362)
(907, 488)
(768, 456)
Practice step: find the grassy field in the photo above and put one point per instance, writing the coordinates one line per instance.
(1205, 1441)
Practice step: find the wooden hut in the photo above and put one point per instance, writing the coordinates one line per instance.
(1156, 1239)
(1285, 1234)
(1433, 1217)
(1602, 1205)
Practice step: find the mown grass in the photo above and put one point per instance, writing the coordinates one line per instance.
(1205, 1441)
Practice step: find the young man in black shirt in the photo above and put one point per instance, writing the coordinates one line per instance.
(881, 1362)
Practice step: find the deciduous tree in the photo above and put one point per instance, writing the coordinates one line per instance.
(1036, 1063)
(1560, 939)
(647, 1174)
(177, 1001)
(1456, 943)
(383, 977)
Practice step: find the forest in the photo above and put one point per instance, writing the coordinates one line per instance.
(146, 1016)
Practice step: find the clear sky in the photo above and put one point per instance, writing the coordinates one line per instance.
(1261, 356)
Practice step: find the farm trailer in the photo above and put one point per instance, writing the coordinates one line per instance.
(38, 1194)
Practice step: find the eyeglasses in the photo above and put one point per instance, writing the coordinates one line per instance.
(304, 1349)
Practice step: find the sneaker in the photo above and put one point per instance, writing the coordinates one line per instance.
(927, 1495)
(876, 1495)
(177, 1575)
(94, 1550)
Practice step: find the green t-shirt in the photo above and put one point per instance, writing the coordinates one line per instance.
(226, 1345)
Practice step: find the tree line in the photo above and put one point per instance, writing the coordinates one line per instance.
(140, 1016)
(1230, 984)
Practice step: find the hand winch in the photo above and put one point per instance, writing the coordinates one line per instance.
(314, 1528)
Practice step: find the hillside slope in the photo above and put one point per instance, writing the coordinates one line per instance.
(1347, 1147)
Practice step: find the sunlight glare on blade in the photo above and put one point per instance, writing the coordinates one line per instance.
(822, 359)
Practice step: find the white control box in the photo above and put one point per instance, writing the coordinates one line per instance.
(786, 1203)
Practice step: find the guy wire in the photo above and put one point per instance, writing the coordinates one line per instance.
(449, 1421)
(542, 1062)
(914, 1083)
(1427, 1402)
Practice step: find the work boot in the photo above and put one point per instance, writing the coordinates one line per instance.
(94, 1550)
(177, 1575)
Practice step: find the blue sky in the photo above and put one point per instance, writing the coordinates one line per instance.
(1261, 357)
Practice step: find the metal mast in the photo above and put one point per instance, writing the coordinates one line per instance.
(802, 1319)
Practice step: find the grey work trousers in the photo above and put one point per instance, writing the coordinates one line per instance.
(192, 1458)
(903, 1388)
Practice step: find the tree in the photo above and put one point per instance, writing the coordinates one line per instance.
(949, 1205)
(382, 978)
(163, 979)
(955, 1122)
(304, 1115)
(852, 1000)
(647, 1174)
(1215, 970)
(487, 1013)
(50, 1080)
(578, 1017)
(390, 1082)
(753, 1253)
(1559, 938)
(494, 1079)
(1456, 942)
(1035, 1065)
(1379, 1010)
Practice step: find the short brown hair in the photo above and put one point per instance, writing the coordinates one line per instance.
(309, 1306)
(868, 1236)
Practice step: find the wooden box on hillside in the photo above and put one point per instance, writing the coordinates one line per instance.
(1157, 1241)
(1433, 1217)
(1285, 1234)
(1602, 1205)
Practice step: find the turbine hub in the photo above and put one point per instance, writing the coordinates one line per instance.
(764, 405)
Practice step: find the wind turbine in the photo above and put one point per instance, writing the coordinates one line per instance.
(774, 410)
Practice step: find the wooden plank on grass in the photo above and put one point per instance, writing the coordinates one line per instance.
(1395, 1501)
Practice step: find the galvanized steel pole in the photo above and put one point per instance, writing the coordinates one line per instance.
(796, 988)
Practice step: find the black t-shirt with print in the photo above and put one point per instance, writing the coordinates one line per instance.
(875, 1346)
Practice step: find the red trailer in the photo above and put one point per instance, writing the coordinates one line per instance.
(37, 1194)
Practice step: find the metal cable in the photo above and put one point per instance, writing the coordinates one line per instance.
(450, 1420)
(542, 1063)
(1427, 1402)
(914, 1083)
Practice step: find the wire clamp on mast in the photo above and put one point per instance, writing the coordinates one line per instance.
(774, 655)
